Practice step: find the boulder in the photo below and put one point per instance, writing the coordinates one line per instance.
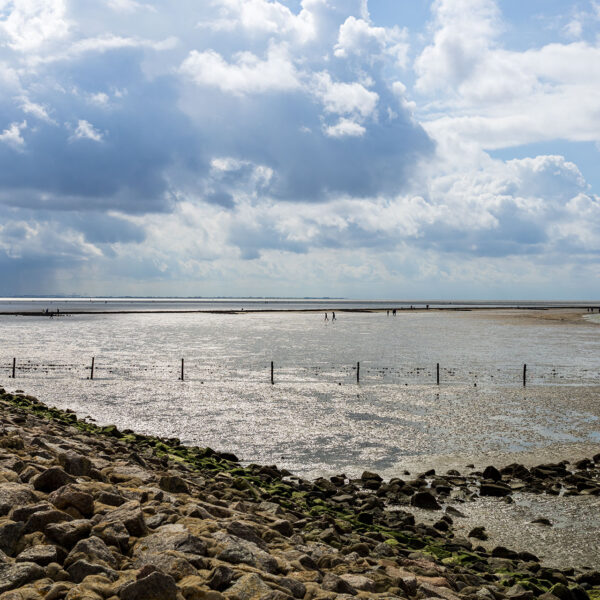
(359, 582)
(75, 464)
(82, 568)
(67, 534)
(19, 574)
(10, 534)
(43, 555)
(249, 587)
(478, 533)
(492, 473)
(92, 549)
(15, 494)
(333, 583)
(39, 520)
(246, 532)
(130, 515)
(425, 500)
(69, 496)
(51, 479)
(220, 578)
(156, 586)
(494, 489)
(173, 484)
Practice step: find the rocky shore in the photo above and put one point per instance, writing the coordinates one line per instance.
(94, 513)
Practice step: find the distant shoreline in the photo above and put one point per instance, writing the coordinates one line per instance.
(340, 309)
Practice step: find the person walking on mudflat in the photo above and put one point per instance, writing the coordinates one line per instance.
(332, 316)
(326, 317)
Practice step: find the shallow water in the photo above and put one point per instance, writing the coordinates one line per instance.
(316, 418)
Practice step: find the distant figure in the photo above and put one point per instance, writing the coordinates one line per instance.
(428, 307)
(326, 317)
(394, 313)
(332, 316)
(388, 313)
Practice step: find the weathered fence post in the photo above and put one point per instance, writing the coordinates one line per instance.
(438, 373)
(92, 368)
(14, 367)
(524, 375)
(272, 380)
(358, 372)
(182, 369)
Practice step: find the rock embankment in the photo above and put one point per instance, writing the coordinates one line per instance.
(94, 513)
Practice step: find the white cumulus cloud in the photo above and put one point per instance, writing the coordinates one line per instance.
(12, 135)
(247, 75)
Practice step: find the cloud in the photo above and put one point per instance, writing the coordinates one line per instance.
(12, 135)
(345, 127)
(358, 37)
(344, 98)
(86, 131)
(258, 146)
(248, 74)
(36, 110)
(262, 16)
(475, 89)
(32, 23)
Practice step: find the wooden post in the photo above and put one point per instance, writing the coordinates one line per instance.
(182, 369)
(92, 369)
(272, 380)
(524, 375)
(14, 367)
(438, 373)
(358, 372)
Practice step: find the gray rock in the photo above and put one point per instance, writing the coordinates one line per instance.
(246, 532)
(39, 520)
(80, 569)
(220, 578)
(15, 494)
(70, 496)
(114, 534)
(10, 534)
(69, 533)
(170, 537)
(156, 586)
(359, 582)
(92, 549)
(237, 550)
(284, 527)
(478, 533)
(518, 592)
(383, 550)
(297, 588)
(494, 489)
(425, 500)
(249, 587)
(41, 555)
(130, 515)
(51, 479)
(75, 464)
(173, 484)
(333, 583)
(22, 513)
(16, 575)
(492, 473)
(111, 499)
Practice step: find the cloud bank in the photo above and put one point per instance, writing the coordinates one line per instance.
(264, 147)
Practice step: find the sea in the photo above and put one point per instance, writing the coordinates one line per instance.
(275, 383)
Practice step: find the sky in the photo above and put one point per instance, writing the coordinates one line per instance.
(345, 148)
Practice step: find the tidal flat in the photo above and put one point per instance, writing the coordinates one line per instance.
(316, 420)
